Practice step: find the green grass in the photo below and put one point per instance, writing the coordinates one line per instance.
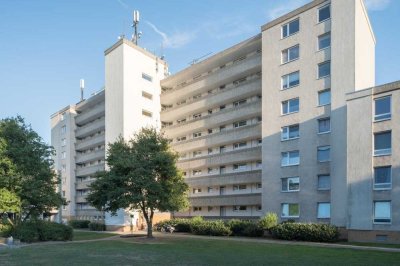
(85, 235)
(381, 245)
(182, 251)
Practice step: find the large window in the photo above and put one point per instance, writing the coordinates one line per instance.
(239, 145)
(324, 154)
(383, 108)
(290, 54)
(63, 129)
(324, 210)
(240, 124)
(290, 210)
(240, 102)
(290, 158)
(290, 132)
(324, 125)
(147, 77)
(290, 80)
(324, 41)
(324, 69)
(290, 28)
(290, 184)
(324, 13)
(290, 106)
(383, 178)
(240, 167)
(324, 182)
(324, 97)
(383, 143)
(382, 212)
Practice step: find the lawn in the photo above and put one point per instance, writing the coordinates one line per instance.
(185, 251)
(86, 235)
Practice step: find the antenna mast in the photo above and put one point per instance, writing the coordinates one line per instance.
(82, 85)
(135, 24)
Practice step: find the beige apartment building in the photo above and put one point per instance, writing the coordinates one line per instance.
(266, 125)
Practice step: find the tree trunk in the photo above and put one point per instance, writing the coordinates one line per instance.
(150, 228)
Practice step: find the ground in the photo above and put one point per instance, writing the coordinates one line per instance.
(170, 250)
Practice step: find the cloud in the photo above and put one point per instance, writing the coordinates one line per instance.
(376, 5)
(123, 4)
(284, 8)
(175, 40)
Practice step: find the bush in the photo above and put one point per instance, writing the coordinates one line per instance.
(79, 223)
(268, 221)
(33, 231)
(306, 232)
(180, 224)
(93, 226)
(244, 228)
(212, 228)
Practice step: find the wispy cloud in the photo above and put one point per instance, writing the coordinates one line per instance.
(176, 39)
(284, 7)
(376, 5)
(124, 5)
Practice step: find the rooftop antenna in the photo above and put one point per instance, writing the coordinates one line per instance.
(135, 24)
(82, 85)
(196, 60)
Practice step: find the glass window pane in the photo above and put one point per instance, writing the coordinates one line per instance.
(383, 108)
(324, 97)
(324, 210)
(285, 56)
(284, 184)
(285, 210)
(285, 107)
(294, 53)
(294, 79)
(324, 125)
(294, 26)
(324, 182)
(383, 142)
(324, 41)
(294, 183)
(293, 131)
(324, 69)
(382, 212)
(294, 157)
(294, 105)
(294, 210)
(383, 177)
(324, 13)
(285, 30)
(324, 154)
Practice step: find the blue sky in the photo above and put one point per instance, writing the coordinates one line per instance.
(46, 46)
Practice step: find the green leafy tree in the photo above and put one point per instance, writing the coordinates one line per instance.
(26, 168)
(142, 175)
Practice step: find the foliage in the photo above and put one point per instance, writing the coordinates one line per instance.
(94, 226)
(26, 168)
(79, 223)
(9, 202)
(142, 175)
(212, 228)
(38, 230)
(306, 232)
(244, 228)
(268, 221)
(180, 224)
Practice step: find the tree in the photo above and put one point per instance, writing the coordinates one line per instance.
(142, 175)
(26, 168)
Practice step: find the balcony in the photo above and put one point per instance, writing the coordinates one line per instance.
(246, 177)
(227, 200)
(86, 116)
(88, 212)
(89, 170)
(83, 185)
(96, 155)
(221, 138)
(90, 128)
(89, 143)
(226, 116)
(243, 155)
(80, 199)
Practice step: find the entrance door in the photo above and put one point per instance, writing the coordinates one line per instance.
(222, 211)
(221, 190)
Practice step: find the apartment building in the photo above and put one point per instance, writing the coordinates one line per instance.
(212, 115)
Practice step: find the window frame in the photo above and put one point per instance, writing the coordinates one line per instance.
(288, 28)
(391, 179)
(288, 132)
(288, 153)
(288, 54)
(318, 186)
(327, 148)
(322, 36)
(330, 125)
(322, 92)
(330, 13)
(390, 113)
(288, 108)
(318, 69)
(318, 214)
(382, 218)
(288, 207)
(286, 180)
(382, 152)
(286, 78)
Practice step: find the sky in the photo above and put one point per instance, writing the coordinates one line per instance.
(47, 46)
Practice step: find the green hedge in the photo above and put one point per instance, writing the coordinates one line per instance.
(245, 228)
(212, 228)
(93, 226)
(79, 223)
(180, 224)
(306, 232)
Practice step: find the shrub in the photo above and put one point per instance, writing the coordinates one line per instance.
(180, 224)
(212, 228)
(306, 232)
(268, 221)
(32, 231)
(93, 226)
(244, 228)
(79, 223)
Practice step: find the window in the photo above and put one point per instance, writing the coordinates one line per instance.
(196, 172)
(290, 106)
(222, 128)
(290, 54)
(290, 132)
(238, 81)
(210, 208)
(196, 116)
(210, 131)
(209, 189)
(196, 190)
(239, 145)
(239, 208)
(182, 156)
(180, 121)
(183, 138)
(258, 186)
(290, 158)
(63, 129)
(382, 212)
(290, 184)
(324, 182)
(196, 153)
(222, 149)
(290, 210)
(382, 108)
(210, 111)
(63, 116)
(240, 124)
(240, 102)
(324, 154)
(210, 150)
(290, 80)
(63, 142)
(324, 41)
(290, 28)
(324, 97)
(222, 107)
(197, 209)
(197, 96)
(147, 95)
(383, 143)
(196, 134)
(258, 164)
(239, 167)
(181, 102)
(324, 125)
(383, 178)
(147, 113)
(324, 13)
(324, 210)
(324, 69)
(239, 187)
(222, 169)
(147, 77)
(63, 155)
